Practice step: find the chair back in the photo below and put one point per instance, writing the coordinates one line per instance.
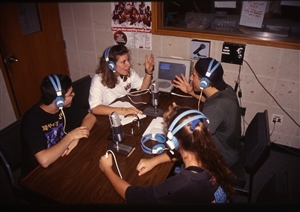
(257, 141)
(11, 150)
(81, 89)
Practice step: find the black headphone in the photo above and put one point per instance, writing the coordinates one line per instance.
(111, 64)
(172, 142)
(59, 100)
(205, 82)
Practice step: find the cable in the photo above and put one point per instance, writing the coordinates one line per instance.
(136, 102)
(139, 92)
(200, 96)
(113, 154)
(271, 95)
(65, 120)
(176, 94)
(273, 128)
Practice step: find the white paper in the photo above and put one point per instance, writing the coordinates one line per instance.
(156, 126)
(128, 119)
(252, 14)
(225, 4)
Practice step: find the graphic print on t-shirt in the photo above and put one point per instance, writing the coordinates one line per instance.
(54, 135)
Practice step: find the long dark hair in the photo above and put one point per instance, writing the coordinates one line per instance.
(199, 142)
(48, 91)
(109, 79)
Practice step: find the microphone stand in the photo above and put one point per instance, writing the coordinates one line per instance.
(116, 144)
(154, 111)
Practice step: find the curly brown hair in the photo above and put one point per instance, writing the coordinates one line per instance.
(109, 78)
(199, 142)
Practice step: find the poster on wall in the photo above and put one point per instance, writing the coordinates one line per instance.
(131, 24)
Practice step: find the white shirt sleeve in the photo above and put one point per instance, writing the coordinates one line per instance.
(96, 92)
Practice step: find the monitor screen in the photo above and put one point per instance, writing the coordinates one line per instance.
(168, 71)
(167, 68)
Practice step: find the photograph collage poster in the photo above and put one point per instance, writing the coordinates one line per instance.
(131, 24)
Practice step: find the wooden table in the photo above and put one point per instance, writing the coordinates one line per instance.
(77, 179)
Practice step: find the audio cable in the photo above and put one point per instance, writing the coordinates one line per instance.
(65, 121)
(113, 154)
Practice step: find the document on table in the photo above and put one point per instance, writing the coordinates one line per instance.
(127, 119)
(156, 126)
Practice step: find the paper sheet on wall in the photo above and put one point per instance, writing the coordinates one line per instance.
(131, 24)
(156, 126)
(128, 119)
(252, 14)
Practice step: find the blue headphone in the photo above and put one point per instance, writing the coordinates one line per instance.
(172, 142)
(59, 100)
(158, 148)
(205, 82)
(111, 64)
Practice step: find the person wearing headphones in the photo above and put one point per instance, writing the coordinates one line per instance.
(204, 176)
(220, 106)
(115, 78)
(53, 127)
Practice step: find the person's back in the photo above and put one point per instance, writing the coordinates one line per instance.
(223, 111)
(191, 186)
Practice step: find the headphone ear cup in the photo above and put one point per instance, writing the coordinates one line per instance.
(204, 83)
(59, 101)
(172, 144)
(158, 149)
(111, 65)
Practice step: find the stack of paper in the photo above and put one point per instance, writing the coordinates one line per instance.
(127, 119)
(156, 126)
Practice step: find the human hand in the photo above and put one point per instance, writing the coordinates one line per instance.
(130, 111)
(145, 165)
(79, 132)
(105, 162)
(149, 64)
(181, 83)
(70, 147)
(75, 135)
(172, 105)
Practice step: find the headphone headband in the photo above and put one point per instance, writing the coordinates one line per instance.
(209, 70)
(180, 116)
(59, 100)
(111, 65)
(172, 142)
(106, 53)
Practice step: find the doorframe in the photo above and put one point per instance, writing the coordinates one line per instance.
(9, 87)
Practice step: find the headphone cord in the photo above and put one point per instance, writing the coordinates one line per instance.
(65, 121)
(115, 161)
(200, 96)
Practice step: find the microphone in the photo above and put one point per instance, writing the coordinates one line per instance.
(116, 126)
(155, 94)
(154, 111)
(202, 46)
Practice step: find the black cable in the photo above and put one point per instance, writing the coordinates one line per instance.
(271, 95)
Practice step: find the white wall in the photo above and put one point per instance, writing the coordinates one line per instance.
(86, 29)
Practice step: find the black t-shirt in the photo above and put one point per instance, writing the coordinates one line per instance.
(185, 187)
(41, 130)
